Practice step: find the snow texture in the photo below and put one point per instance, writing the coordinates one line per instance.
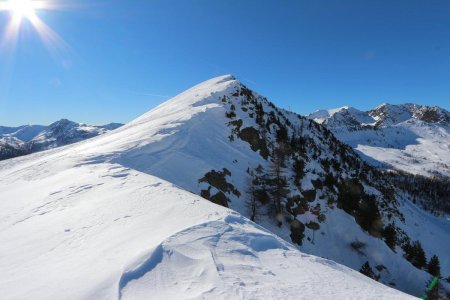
(112, 218)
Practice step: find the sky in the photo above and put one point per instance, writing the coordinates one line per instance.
(113, 60)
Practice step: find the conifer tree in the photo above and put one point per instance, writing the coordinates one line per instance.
(299, 170)
(434, 266)
(367, 270)
(252, 202)
(415, 254)
(419, 260)
(278, 184)
(390, 236)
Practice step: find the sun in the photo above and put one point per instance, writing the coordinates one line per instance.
(21, 9)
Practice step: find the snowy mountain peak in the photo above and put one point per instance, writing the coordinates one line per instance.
(383, 115)
(343, 116)
(62, 122)
(391, 114)
(58, 128)
(410, 137)
(118, 207)
(388, 114)
(207, 93)
(65, 132)
(322, 115)
(22, 140)
(23, 133)
(432, 114)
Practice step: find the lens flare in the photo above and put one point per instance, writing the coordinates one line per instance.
(20, 10)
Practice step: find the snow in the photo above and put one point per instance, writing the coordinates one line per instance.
(394, 136)
(426, 153)
(24, 133)
(94, 220)
(322, 115)
(392, 114)
(307, 217)
(37, 137)
(227, 248)
(345, 112)
(100, 231)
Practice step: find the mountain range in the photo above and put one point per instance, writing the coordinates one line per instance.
(26, 139)
(216, 193)
(409, 137)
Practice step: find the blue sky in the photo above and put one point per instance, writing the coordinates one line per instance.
(125, 57)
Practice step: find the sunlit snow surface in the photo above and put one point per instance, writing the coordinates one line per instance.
(104, 232)
(88, 221)
(401, 141)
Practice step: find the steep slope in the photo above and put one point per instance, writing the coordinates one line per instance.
(76, 224)
(211, 140)
(409, 137)
(22, 140)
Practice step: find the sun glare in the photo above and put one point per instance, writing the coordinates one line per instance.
(22, 8)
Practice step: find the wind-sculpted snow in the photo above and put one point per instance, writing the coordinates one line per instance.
(233, 259)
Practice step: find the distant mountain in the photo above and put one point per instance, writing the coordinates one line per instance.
(22, 140)
(23, 133)
(408, 137)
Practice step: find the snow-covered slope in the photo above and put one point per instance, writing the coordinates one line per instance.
(409, 137)
(23, 133)
(70, 229)
(111, 217)
(64, 132)
(75, 227)
(17, 141)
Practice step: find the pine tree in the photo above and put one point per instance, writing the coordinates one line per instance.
(282, 134)
(299, 170)
(390, 236)
(278, 184)
(252, 202)
(294, 140)
(419, 258)
(367, 270)
(415, 254)
(434, 266)
(367, 215)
